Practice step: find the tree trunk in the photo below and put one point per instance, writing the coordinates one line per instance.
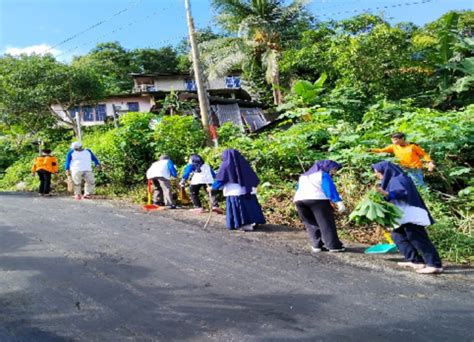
(277, 96)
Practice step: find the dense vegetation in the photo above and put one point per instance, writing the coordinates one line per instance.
(345, 86)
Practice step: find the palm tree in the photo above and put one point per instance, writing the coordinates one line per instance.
(260, 26)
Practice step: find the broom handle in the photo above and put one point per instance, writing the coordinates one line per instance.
(149, 191)
(210, 209)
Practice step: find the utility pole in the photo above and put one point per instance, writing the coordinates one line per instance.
(78, 123)
(202, 95)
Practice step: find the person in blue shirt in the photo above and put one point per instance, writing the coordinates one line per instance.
(200, 175)
(78, 166)
(160, 173)
(314, 195)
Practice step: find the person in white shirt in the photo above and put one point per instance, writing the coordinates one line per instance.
(79, 166)
(314, 195)
(410, 236)
(239, 183)
(200, 175)
(160, 173)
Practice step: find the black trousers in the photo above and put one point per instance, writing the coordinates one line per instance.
(415, 245)
(318, 218)
(45, 181)
(194, 191)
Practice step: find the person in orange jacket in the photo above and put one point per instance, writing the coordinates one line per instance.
(409, 156)
(44, 166)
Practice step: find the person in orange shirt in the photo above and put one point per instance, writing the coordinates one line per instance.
(409, 156)
(44, 166)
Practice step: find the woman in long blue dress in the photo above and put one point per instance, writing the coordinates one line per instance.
(410, 236)
(239, 183)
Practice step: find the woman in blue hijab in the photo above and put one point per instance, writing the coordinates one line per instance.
(314, 195)
(410, 237)
(239, 183)
(200, 175)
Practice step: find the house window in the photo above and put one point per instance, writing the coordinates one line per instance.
(190, 85)
(100, 112)
(73, 111)
(232, 82)
(88, 113)
(133, 107)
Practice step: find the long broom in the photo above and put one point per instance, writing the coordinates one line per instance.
(209, 197)
(150, 206)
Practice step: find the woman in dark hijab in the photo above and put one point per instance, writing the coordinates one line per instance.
(200, 175)
(239, 183)
(314, 195)
(410, 237)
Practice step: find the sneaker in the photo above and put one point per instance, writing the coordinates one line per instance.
(218, 210)
(430, 270)
(170, 207)
(87, 197)
(247, 228)
(77, 197)
(337, 250)
(197, 210)
(410, 264)
(316, 250)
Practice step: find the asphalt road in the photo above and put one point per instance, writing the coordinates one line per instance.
(92, 271)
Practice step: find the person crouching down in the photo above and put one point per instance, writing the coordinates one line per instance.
(239, 183)
(202, 175)
(410, 237)
(79, 167)
(160, 173)
(314, 194)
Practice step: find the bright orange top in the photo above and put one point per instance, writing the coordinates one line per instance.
(48, 163)
(409, 156)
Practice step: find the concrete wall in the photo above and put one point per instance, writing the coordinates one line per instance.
(144, 104)
(170, 83)
(177, 83)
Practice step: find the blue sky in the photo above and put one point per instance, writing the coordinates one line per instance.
(32, 25)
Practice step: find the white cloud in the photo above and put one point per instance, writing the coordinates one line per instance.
(37, 49)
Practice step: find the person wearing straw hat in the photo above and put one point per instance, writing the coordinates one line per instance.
(79, 166)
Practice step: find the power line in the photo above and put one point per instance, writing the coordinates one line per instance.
(340, 4)
(405, 4)
(93, 26)
(120, 28)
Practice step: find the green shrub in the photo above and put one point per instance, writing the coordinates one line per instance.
(18, 175)
(178, 137)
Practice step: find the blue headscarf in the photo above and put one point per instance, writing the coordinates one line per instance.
(395, 180)
(323, 165)
(236, 169)
(197, 162)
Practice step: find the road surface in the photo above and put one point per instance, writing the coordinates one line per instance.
(94, 271)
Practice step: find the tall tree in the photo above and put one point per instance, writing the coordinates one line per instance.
(113, 63)
(261, 25)
(31, 85)
(164, 59)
